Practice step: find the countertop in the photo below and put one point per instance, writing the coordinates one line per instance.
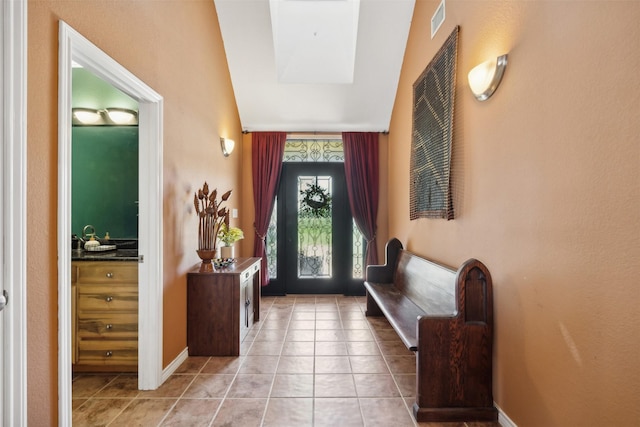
(115, 255)
(238, 267)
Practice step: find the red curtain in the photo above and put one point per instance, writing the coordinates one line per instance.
(266, 153)
(361, 169)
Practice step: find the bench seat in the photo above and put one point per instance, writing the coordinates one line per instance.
(399, 310)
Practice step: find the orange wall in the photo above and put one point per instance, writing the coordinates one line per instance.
(546, 189)
(175, 48)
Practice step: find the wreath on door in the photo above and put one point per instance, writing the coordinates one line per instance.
(316, 201)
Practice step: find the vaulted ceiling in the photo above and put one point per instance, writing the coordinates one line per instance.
(315, 65)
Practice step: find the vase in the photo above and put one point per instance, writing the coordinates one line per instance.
(206, 256)
(226, 252)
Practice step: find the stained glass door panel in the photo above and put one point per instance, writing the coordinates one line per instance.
(314, 226)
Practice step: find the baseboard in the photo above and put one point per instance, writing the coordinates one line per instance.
(175, 364)
(503, 419)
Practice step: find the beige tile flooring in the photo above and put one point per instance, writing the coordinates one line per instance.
(310, 361)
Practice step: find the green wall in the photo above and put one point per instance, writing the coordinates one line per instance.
(90, 91)
(104, 180)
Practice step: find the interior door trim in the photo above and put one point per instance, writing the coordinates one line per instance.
(13, 218)
(75, 47)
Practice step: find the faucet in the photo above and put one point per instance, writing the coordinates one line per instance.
(89, 235)
(80, 240)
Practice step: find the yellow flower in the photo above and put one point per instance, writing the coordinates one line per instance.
(230, 235)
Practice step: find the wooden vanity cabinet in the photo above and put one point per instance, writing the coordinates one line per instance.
(74, 317)
(105, 315)
(221, 307)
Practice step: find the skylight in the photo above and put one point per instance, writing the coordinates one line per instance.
(315, 40)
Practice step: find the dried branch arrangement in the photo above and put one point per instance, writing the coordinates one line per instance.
(211, 215)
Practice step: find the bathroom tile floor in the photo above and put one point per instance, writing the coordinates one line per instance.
(310, 361)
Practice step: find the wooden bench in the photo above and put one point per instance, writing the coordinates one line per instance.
(446, 317)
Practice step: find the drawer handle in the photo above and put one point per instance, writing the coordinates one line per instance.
(108, 299)
(109, 326)
(110, 275)
(109, 353)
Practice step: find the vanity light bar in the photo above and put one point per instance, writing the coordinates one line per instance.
(108, 116)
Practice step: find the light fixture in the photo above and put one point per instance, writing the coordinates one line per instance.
(105, 117)
(122, 116)
(485, 78)
(227, 146)
(87, 116)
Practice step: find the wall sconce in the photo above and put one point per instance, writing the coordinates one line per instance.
(227, 146)
(485, 78)
(109, 116)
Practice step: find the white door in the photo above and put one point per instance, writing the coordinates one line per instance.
(13, 77)
(2, 217)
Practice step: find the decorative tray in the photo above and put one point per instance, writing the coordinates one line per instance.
(101, 248)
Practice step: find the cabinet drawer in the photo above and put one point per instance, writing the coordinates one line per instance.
(108, 272)
(248, 274)
(108, 352)
(245, 276)
(106, 299)
(108, 325)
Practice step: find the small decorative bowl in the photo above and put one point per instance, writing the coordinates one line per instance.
(223, 262)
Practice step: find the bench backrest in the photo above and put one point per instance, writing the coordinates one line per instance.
(430, 286)
(440, 291)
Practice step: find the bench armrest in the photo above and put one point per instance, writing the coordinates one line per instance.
(384, 273)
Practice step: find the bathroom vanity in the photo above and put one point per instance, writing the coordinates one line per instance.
(104, 292)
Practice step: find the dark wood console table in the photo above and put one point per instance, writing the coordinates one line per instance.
(221, 307)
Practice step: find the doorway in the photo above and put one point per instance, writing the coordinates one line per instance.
(313, 245)
(316, 226)
(73, 47)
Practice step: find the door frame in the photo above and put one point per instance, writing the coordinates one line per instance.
(73, 47)
(13, 254)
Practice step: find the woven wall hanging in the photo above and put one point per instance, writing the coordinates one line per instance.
(432, 135)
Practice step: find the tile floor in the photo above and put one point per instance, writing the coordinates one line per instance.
(310, 361)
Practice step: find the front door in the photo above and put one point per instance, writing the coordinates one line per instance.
(315, 226)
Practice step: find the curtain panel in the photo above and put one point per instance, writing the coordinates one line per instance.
(361, 170)
(267, 149)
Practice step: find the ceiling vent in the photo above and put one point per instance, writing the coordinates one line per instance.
(437, 19)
